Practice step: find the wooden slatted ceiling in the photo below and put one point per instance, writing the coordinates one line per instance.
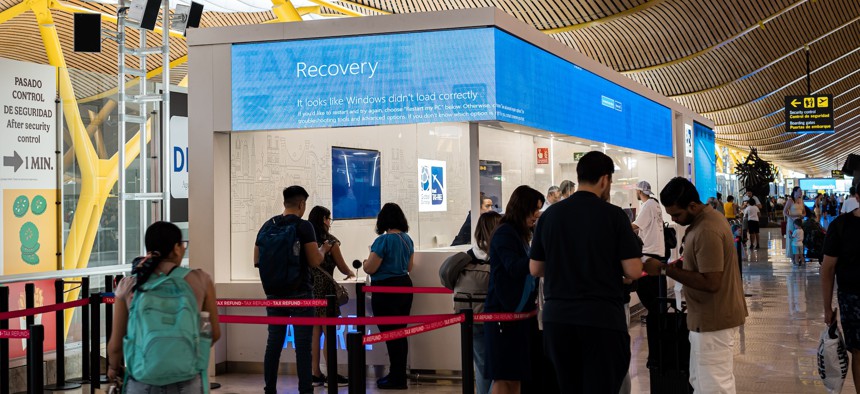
(711, 56)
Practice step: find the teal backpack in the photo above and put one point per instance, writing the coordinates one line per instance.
(163, 344)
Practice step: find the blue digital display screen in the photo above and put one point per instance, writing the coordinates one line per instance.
(538, 89)
(441, 76)
(815, 184)
(476, 74)
(355, 184)
(705, 156)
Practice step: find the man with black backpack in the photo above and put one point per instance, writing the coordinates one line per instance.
(285, 250)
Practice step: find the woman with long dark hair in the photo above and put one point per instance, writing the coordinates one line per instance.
(390, 261)
(320, 218)
(794, 209)
(512, 290)
(165, 249)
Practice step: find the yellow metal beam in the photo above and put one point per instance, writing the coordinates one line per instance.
(285, 11)
(13, 11)
(333, 6)
(133, 82)
(365, 7)
(97, 176)
(609, 18)
(309, 10)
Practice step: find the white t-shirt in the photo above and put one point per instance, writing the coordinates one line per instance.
(797, 237)
(849, 205)
(751, 212)
(650, 223)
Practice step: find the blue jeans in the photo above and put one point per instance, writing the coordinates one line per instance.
(193, 386)
(275, 343)
(482, 384)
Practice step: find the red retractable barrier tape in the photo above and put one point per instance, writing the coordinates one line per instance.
(332, 321)
(14, 334)
(272, 303)
(407, 290)
(410, 331)
(43, 309)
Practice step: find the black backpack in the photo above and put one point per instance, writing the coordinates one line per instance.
(279, 258)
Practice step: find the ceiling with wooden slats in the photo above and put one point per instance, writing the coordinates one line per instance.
(730, 60)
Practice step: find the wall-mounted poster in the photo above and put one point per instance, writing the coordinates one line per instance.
(355, 184)
(543, 155)
(432, 196)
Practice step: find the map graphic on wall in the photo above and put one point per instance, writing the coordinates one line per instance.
(432, 195)
(355, 183)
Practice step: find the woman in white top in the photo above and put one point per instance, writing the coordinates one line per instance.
(794, 209)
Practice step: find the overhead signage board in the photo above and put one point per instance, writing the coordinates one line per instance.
(837, 174)
(436, 76)
(817, 184)
(28, 175)
(809, 114)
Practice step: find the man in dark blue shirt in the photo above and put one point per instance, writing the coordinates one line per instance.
(584, 247)
(295, 202)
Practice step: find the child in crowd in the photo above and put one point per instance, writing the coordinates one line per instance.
(797, 242)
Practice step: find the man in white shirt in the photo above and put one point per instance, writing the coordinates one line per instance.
(553, 195)
(751, 213)
(749, 196)
(850, 203)
(649, 226)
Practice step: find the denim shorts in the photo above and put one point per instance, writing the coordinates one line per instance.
(849, 312)
(193, 386)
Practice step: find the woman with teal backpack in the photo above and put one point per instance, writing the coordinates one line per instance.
(178, 328)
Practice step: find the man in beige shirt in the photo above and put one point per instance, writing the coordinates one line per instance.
(712, 285)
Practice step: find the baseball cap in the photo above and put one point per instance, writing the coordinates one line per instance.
(644, 187)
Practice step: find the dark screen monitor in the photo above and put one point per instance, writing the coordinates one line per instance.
(88, 32)
(355, 183)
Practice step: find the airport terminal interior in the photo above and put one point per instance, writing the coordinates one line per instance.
(139, 136)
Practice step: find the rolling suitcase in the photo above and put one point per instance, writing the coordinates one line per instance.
(668, 347)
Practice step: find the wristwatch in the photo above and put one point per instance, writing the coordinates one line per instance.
(663, 268)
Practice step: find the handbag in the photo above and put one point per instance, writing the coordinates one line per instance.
(340, 292)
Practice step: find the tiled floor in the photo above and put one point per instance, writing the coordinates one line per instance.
(776, 350)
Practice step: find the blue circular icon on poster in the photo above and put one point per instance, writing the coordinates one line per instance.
(426, 178)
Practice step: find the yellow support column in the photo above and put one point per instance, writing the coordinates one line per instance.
(97, 176)
(285, 11)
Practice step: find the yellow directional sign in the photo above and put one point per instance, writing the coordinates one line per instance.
(809, 114)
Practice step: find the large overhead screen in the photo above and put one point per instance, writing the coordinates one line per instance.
(540, 90)
(439, 76)
(480, 74)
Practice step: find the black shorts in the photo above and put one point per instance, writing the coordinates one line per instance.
(753, 226)
(849, 314)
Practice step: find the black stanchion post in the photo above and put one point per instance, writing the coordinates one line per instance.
(355, 360)
(29, 303)
(466, 351)
(108, 322)
(35, 369)
(85, 334)
(4, 343)
(59, 331)
(95, 342)
(360, 308)
(331, 345)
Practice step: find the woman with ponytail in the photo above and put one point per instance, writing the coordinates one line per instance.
(164, 251)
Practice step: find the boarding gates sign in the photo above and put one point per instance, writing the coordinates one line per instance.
(28, 175)
(481, 74)
(809, 114)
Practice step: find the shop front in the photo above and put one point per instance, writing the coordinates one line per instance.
(405, 109)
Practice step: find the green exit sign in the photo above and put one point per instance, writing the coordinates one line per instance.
(578, 155)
